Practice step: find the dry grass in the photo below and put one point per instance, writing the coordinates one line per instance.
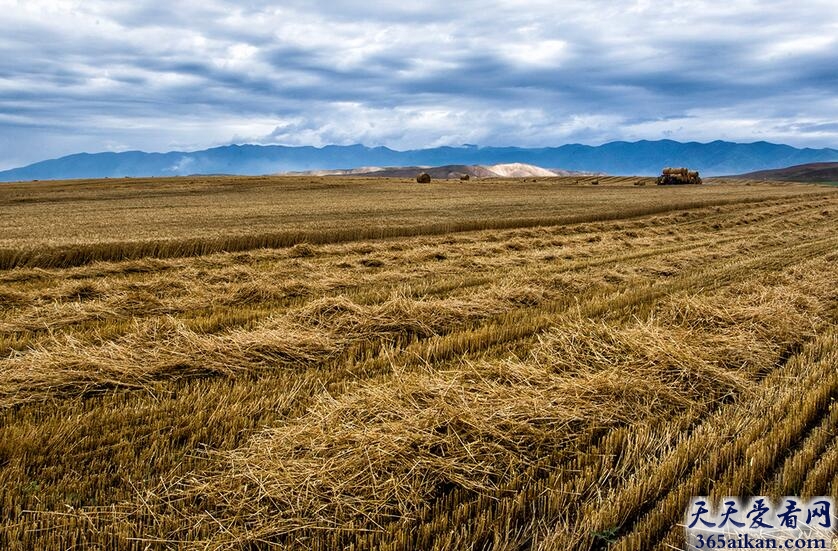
(168, 218)
(506, 365)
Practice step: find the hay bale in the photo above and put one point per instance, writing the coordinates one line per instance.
(423, 178)
(465, 177)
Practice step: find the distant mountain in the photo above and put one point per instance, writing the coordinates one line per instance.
(641, 158)
(508, 170)
(812, 172)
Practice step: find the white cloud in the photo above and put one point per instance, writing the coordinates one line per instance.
(151, 75)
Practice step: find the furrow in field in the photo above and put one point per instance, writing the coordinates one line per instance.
(744, 478)
(317, 377)
(821, 479)
(79, 254)
(594, 454)
(769, 262)
(801, 462)
(597, 467)
(179, 352)
(116, 304)
(474, 370)
(734, 468)
(500, 333)
(218, 312)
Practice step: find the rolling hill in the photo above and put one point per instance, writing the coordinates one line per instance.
(446, 172)
(811, 172)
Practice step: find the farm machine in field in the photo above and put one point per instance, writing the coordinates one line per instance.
(678, 176)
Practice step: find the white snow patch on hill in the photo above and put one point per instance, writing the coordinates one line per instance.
(519, 170)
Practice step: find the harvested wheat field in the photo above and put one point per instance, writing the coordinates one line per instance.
(338, 363)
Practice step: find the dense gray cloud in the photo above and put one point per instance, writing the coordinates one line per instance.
(99, 75)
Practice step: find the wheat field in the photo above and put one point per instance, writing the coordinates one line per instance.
(339, 363)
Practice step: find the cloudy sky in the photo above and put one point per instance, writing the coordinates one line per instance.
(113, 75)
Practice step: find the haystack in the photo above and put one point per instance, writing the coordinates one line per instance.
(678, 176)
(423, 178)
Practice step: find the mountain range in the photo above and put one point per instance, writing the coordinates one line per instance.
(640, 158)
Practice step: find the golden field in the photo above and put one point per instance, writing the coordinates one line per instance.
(339, 363)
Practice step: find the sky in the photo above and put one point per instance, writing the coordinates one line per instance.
(116, 75)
